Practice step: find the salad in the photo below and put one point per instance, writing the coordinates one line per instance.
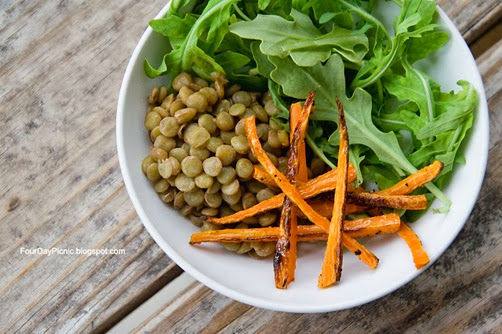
(276, 54)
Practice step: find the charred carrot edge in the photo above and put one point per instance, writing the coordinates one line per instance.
(285, 251)
(287, 188)
(415, 180)
(331, 271)
(420, 257)
(357, 228)
(262, 176)
(295, 113)
(323, 183)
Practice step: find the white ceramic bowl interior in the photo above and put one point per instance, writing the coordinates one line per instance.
(251, 281)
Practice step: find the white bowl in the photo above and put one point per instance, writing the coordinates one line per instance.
(251, 281)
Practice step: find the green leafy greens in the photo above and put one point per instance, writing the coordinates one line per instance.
(398, 118)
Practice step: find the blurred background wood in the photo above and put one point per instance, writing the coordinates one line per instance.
(61, 66)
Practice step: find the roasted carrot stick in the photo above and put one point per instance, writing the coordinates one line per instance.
(294, 116)
(285, 251)
(325, 208)
(290, 191)
(320, 184)
(415, 180)
(360, 251)
(262, 176)
(371, 226)
(420, 256)
(372, 200)
(333, 256)
(357, 228)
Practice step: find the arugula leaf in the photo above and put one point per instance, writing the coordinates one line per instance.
(274, 90)
(453, 110)
(419, 48)
(300, 39)
(329, 82)
(448, 129)
(212, 25)
(414, 21)
(444, 148)
(356, 157)
(380, 174)
(278, 7)
(414, 87)
(263, 64)
(236, 70)
(182, 7)
(174, 27)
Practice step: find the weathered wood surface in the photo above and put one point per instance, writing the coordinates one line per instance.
(472, 18)
(61, 66)
(461, 292)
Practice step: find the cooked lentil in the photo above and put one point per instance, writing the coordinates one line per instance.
(200, 160)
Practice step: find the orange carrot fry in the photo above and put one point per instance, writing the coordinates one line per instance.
(415, 180)
(285, 251)
(262, 176)
(357, 228)
(331, 271)
(366, 200)
(408, 202)
(327, 179)
(294, 115)
(323, 183)
(420, 257)
(325, 208)
(360, 251)
(369, 227)
(288, 189)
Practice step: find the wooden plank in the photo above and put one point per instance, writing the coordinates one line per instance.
(472, 17)
(461, 292)
(487, 40)
(61, 185)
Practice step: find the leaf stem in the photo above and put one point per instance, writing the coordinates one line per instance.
(319, 152)
(389, 59)
(429, 97)
(367, 16)
(240, 12)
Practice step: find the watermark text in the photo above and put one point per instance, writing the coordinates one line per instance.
(71, 251)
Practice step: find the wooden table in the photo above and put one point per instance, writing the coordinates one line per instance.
(61, 66)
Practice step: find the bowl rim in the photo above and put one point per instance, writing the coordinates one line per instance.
(278, 305)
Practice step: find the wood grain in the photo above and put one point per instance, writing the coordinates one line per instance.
(61, 66)
(61, 185)
(472, 17)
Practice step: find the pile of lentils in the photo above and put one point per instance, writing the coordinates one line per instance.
(200, 161)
